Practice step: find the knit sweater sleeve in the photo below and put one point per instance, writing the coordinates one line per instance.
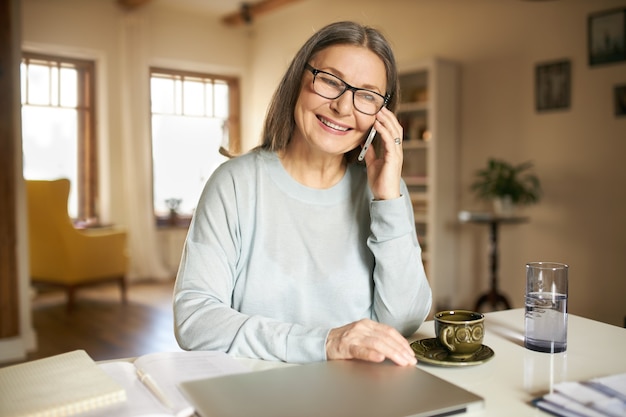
(402, 294)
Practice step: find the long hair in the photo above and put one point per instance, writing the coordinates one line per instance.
(280, 122)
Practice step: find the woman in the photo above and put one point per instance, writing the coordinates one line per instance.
(296, 252)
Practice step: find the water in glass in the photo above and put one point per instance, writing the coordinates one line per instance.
(546, 322)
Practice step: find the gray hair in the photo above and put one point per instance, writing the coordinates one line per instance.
(279, 122)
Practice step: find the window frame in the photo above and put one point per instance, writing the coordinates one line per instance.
(87, 158)
(233, 124)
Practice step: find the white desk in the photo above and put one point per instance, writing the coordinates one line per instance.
(515, 375)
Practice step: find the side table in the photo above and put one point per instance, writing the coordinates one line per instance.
(493, 296)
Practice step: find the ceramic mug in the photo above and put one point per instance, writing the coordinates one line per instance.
(460, 331)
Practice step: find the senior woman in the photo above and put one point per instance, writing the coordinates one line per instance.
(298, 252)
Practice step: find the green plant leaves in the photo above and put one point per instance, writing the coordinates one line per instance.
(501, 178)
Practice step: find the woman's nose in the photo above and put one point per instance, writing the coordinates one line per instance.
(343, 104)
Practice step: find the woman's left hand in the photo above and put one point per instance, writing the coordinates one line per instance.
(384, 170)
(369, 341)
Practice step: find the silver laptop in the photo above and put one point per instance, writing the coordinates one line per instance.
(330, 389)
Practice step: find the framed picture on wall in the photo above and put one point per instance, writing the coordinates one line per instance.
(553, 85)
(619, 94)
(607, 36)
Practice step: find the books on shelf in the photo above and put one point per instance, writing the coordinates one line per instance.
(415, 180)
(61, 385)
(413, 106)
(420, 210)
(598, 397)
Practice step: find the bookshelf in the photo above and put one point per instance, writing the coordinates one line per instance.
(428, 112)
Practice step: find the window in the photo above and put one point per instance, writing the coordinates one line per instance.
(194, 116)
(58, 134)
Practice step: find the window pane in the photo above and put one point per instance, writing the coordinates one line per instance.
(162, 95)
(208, 98)
(185, 154)
(69, 87)
(39, 84)
(194, 98)
(58, 140)
(54, 86)
(50, 147)
(221, 99)
(178, 97)
(23, 82)
(186, 142)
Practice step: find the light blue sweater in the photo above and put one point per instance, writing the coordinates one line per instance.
(270, 266)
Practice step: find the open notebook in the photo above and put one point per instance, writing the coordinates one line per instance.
(330, 389)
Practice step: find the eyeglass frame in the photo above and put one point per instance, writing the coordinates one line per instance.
(347, 87)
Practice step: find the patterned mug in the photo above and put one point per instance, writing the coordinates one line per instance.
(460, 331)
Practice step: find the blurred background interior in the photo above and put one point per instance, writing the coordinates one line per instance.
(136, 102)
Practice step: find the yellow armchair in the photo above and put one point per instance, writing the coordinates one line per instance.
(64, 256)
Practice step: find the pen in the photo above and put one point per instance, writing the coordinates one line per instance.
(147, 380)
(367, 144)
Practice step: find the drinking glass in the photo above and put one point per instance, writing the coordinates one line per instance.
(546, 307)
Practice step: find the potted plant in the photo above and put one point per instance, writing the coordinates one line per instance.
(507, 185)
(173, 204)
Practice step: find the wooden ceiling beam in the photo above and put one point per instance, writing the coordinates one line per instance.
(132, 4)
(250, 11)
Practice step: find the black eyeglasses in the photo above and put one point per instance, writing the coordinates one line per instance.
(331, 87)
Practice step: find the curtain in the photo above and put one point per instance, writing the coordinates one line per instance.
(145, 260)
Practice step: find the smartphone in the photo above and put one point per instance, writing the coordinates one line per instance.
(367, 144)
(370, 137)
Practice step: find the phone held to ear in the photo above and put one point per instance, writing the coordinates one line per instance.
(367, 144)
(370, 137)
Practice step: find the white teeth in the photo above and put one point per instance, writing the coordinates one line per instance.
(334, 126)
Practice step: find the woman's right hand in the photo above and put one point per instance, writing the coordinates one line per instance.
(369, 341)
(384, 170)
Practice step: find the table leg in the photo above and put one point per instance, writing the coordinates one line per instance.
(493, 297)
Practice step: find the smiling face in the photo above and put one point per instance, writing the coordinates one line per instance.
(334, 126)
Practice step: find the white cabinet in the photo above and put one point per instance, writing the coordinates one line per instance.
(428, 112)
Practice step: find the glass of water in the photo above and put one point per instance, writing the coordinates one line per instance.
(546, 307)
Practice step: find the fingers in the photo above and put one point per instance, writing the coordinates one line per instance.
(384, 170)
(390, 131)
(370, 341)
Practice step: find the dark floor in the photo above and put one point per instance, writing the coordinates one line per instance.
(103, 326)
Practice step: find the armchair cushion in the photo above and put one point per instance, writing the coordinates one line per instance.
(60, 254)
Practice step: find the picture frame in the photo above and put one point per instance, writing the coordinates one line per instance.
(553, 85)
(607, 37)
(619, 99)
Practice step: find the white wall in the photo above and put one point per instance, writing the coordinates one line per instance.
(578, 152)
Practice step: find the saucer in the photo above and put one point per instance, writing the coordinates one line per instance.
(430, 351)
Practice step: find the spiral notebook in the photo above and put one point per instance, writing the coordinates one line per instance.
(60, 385)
